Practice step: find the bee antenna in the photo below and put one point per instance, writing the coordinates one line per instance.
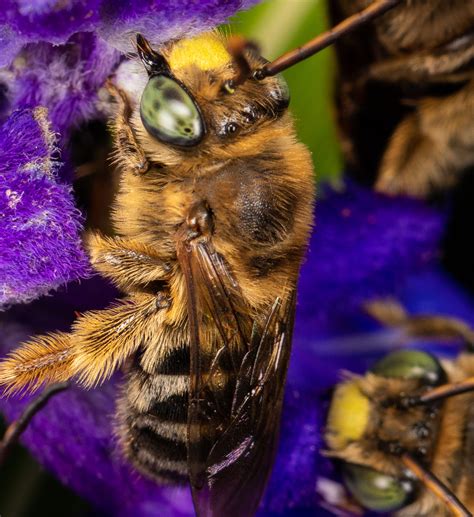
(322, 41)
(236, 47)
(446, 390)
(435, 486)
(154, 63)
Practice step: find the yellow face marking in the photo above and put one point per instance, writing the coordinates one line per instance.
(205, 51)
(348, 415)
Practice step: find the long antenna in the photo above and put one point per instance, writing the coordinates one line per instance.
(348, 25)
(446, 390)
(436, 486)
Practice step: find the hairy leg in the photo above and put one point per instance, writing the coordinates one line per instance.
(129, 265)
(391, 313)
(431, 147)
(128, 153)
(99, 342)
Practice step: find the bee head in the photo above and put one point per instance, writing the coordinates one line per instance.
(201, 93)
(371, 424)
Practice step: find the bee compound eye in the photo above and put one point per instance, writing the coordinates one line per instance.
(411, 364)
(169, 113)
(376, 491)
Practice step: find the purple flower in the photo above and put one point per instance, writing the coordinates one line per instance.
(116, 21)
(64, 79)
(39, 224)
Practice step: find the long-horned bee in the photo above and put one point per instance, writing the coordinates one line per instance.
(211, 223)
(402, 438)
(406, 95)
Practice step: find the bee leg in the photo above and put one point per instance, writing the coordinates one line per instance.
(106, 338)
(41, 360)
(430, 147)
(392, 314)
(127, 263)
(17, 427)
(128, 152)
(387, 311)
(98, 344)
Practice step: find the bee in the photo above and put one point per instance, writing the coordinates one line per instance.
(210, 225)
(211, 222)
(402, 439)
(406, 95)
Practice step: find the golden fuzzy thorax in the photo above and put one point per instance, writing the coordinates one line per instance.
(258, 184)
(248, 192)
(446, 443)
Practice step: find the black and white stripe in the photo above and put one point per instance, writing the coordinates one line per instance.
(153, 414)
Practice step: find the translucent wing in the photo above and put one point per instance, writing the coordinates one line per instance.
(236, 388)
(240, 461)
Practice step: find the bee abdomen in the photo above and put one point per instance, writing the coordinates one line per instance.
(153, 413)
(153, 427)
(173, 409)
(157, 448)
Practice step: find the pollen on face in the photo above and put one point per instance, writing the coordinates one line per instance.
(205, 51)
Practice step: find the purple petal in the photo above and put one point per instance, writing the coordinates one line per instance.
(115, 20)
(65, 79)
(39, 231)
(363, 245)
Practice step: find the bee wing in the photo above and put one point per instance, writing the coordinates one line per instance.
(240, 462)
(236, 387)
(211, 292)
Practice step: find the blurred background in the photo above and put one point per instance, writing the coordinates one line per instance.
(277, 26)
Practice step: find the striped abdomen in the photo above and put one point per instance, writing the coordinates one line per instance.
(153, 417)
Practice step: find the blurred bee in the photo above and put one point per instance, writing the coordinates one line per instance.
(211, 223)
(406, 95)
(403, 445)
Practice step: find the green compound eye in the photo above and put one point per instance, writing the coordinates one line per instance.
(376, 491)
(169, 113)
(410, 364)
